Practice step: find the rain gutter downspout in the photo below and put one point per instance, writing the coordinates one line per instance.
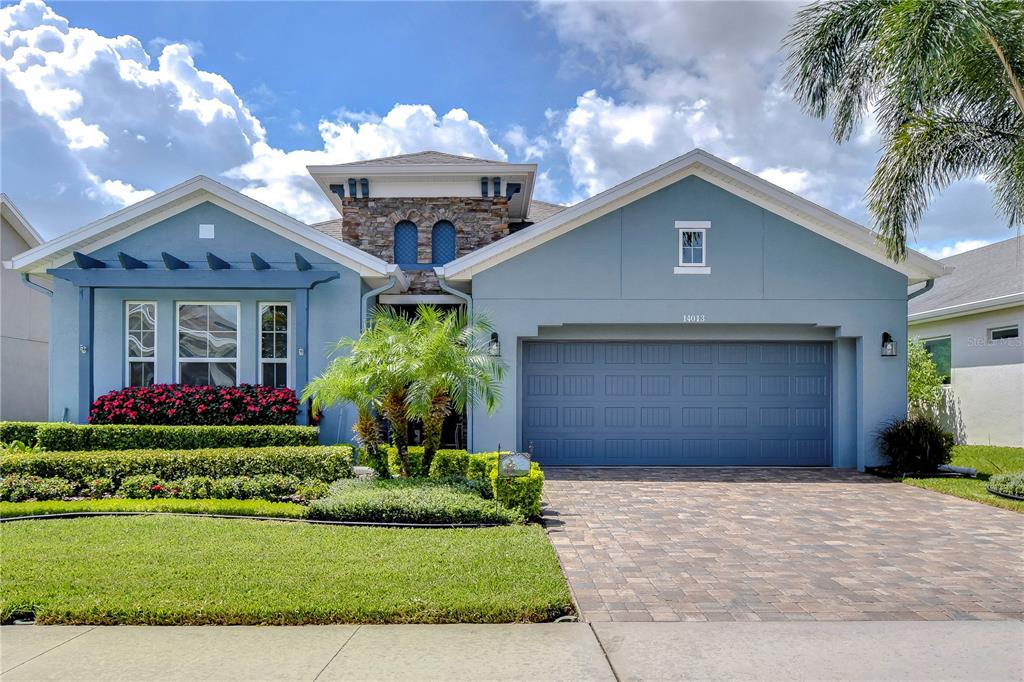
(923, 290)
(364, 302)
(443, 283)
(36, 287)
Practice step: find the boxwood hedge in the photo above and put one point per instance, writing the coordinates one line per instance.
(77, 437)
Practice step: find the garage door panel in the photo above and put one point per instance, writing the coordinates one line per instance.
(704, 404)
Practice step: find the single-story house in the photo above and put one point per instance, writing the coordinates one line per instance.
(24, 325)
(693, 315)
(970, 322)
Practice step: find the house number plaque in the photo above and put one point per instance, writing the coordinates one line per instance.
(694, 317)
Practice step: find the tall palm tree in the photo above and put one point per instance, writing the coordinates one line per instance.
(943, 78)
(451, 368)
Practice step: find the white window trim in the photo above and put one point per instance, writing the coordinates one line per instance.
(238, 338)
(156, 341)
(702, 268)
(1002, 328)
(290, 374)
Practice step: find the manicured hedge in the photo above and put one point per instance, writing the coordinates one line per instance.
(326, 463)
(21, 488)
(523, 493)
(1008, 484)
(184, 404)
(68, 437)
(117, 504)
(409, 501)
(415, 461)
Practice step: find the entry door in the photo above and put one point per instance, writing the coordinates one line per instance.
(678, 403)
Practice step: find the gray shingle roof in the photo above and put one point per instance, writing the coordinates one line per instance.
(332, 228)
(989, 272)
(542, 210)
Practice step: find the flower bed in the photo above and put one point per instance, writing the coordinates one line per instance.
(67, 437)
(192, 405)
(1008, 485)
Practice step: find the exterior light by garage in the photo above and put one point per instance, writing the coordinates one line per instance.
(494, 347)
(888, 345)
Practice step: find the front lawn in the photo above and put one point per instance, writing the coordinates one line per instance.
(988, 460)
(177, 571)
(116, 504)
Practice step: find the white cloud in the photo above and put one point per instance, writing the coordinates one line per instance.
(122, 192)
(955, 248)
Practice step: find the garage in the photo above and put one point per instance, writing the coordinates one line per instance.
(677, 403)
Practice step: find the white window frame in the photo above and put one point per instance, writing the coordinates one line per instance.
(289, 374)
(687, 226)
(128, 359)
(238, 339)
(1003, 328)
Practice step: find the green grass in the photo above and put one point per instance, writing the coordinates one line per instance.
(235, 507)
(173, 570)
(988, 460)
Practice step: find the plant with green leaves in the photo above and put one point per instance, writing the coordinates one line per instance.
(451, 369)
(943, 79)
(924, 385)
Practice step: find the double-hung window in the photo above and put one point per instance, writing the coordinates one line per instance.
(693, 247)
(275, 329)
(140, 343)
(208, 344)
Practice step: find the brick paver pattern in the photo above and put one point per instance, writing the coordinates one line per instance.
(663, 544)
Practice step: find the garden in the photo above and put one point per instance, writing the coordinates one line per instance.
(184, 504)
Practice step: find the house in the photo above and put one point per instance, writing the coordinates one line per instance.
(695, 314)
(24, 325)
(970, 321)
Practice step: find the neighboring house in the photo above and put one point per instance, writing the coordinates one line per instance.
(695, 314)
(971, 321)
(24, 324)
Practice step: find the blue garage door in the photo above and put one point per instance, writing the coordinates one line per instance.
(678, 403)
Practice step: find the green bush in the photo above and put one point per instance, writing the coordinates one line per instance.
(1009, 484)
(194, 487)
(78, 437)
(311, 489)
(522, 493)
(448, 463)
(142, 487)
(327, 463)
(409, 501)
(415, 461)
(272, 487)
(15, 488)
(99, 487)
(915, 444)
(24, 432)
(118, 504)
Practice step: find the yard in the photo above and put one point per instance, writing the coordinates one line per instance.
(173, 570)
(988, 460)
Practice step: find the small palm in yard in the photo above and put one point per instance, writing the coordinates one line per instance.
(944, 79)
(451, 368)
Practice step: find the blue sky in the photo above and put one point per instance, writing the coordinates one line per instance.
(105, 103)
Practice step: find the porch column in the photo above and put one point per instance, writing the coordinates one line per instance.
(301, 305)
(86, 313)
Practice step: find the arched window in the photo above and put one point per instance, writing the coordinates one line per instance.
(406, 249)
(442, 243)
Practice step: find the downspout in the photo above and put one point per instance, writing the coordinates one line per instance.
(36, 287)
(365, 301)
(442, 282)
(923, 290)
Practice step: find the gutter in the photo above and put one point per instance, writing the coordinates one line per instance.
(443, 283)
(365, 300)
(923, 290)
(25, 278)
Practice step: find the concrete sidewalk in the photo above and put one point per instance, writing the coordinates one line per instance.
(570, 651)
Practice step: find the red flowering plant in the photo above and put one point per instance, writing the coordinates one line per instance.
(196, 405)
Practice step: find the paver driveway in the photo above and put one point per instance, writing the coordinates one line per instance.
(779, 544)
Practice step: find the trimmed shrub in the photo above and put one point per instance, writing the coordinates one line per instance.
(194, 487)
(415, 461)
(1009, 484)
(192, 405)
(408, 501)
(448, 463)
(24, 432)
(142, 487)
(311, 489)
(62, 436)
(327, 463)
(915, 444)
(229, 487)
(99, 487)
(15, 488)
(523, 494)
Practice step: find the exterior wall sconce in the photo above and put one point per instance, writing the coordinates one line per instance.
(494, 347)
(888, 345)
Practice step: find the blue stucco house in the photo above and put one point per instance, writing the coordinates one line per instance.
(693, 315)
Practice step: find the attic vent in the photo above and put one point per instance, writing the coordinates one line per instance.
(205, 231)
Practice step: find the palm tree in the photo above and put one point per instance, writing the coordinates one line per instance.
(943, 78)
(450, 368)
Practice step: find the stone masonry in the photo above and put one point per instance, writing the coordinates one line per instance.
(369, 224)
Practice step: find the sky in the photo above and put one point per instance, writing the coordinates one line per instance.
(104, 103)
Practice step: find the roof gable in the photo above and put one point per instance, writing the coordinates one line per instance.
(21, 225)
(917, 267)
(189, 194)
